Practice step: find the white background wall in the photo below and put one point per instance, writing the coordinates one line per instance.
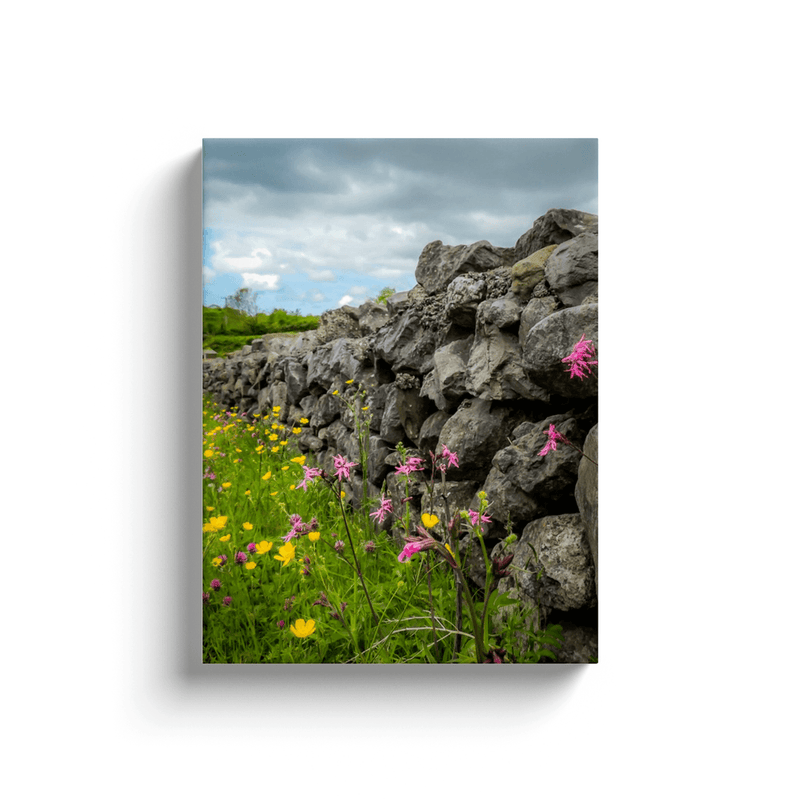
(105, 108)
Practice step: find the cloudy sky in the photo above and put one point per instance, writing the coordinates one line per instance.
(312, 224)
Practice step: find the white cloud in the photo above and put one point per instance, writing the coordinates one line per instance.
(318, 297)
(345, 300)
(208, 273)
(258, 282)
(359, 289)
(320, 275)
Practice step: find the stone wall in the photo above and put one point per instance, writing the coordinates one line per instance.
(470, 358)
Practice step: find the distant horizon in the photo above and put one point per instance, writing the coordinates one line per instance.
(311, 225)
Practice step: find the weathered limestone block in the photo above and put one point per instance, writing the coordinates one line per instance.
(534, 312)
(496, 368)
(554, 227)
(474, 432)
(405, 344)
(445, 384)
(551, 340)
(462, 298)
(529, 272)
(571, 270)
(586, 493)
(525, 485)
(439, 263)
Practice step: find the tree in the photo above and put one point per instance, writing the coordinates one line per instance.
(243, 300)
(384, 294)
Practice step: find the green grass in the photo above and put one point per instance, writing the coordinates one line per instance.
(227, 329)
(250, 492)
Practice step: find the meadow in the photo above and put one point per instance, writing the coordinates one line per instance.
(293, 572)
(228, 329)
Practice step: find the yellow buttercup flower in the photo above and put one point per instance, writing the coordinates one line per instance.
(227, 485)
(301, 628)
(273, 437)
(299, 460)
(267, 476)
(209, 508)
(283, 469)
(429, 520)
(250, 565)
(275, 449)
(450, 551)
(262, 548)
(276, 409)
(313, 536)
(215, 562)
(208, 453)
(248, 526)
(350, 381)
(247, 492)
(274, 426)
(215, 524)
(272, 494)
(304, 421)
(285, 554)
(335, 391)
(225, 538)
(295, 431)
(283, 442)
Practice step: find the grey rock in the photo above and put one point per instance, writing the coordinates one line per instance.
(462, 298)
(534, 312)
(397, 302)
(504, 312)
(529, 272)
(474, 433)
(439, 263)
(295, 381)
(405, 344)
(430, 431)
(391, 427)
(496, 368)
(522, 485)
(552, 340)
(554, 227)
(561, 554)
(571, 270)
(586, 494)
(371, 317)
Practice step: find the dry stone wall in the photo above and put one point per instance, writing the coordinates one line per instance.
(470, 358)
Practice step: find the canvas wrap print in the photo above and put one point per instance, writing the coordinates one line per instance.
(400, 401)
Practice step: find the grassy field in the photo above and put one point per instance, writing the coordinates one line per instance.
(227, 329)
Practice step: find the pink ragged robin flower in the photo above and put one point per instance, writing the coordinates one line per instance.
(342, 467)
(415, 544)
(452, 458)
(311, 473)
(475, 517)
(578, 359)
(553, 439)
(413, 464)
(384, 509)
